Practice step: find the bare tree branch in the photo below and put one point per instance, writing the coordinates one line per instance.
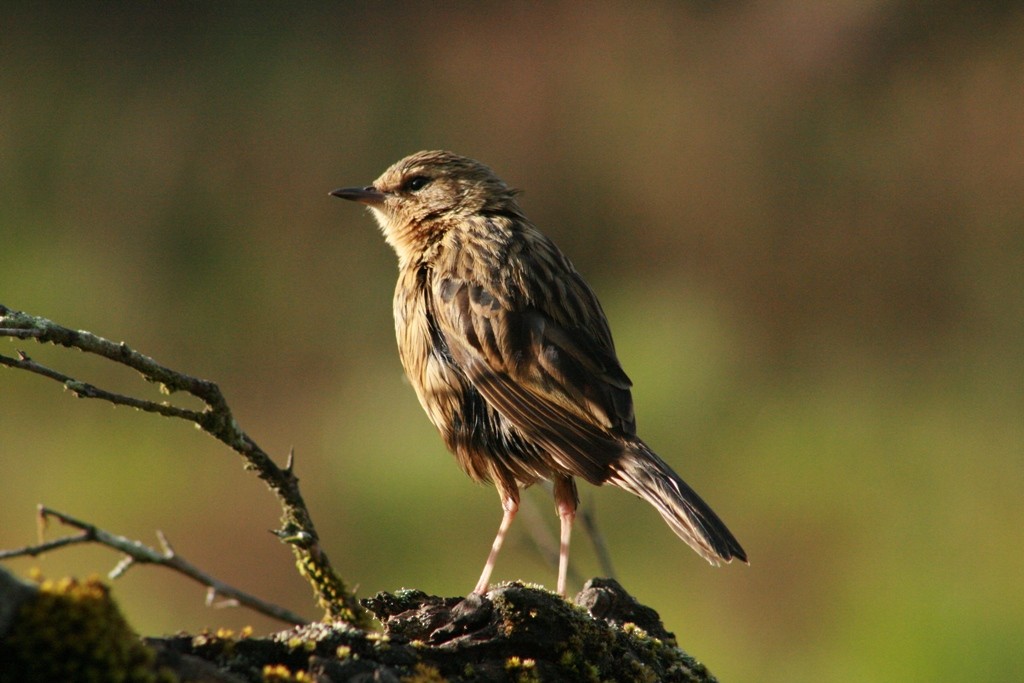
(86, 390)
(215, 419)
(42, 548)
(139, 553)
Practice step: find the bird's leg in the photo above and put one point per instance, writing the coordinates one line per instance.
(566, 500)
(511, 506)
(566, 515)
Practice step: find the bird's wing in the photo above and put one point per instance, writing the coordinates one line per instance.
(543, 359)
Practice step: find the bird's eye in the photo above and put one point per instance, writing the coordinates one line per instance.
(415, 183)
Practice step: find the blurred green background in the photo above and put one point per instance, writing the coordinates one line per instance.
(805, 221)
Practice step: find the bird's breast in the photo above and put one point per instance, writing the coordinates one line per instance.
(424, 353)
(487, 447)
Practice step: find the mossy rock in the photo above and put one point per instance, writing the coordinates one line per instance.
(72, 631)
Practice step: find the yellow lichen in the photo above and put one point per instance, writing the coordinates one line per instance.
(279, 673)
(524, 669)
(297, 643)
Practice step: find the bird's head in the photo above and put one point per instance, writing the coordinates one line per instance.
(428, 192)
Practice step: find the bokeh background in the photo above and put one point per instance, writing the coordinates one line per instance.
(805, 221)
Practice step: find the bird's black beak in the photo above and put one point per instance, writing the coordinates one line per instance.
(364, 195)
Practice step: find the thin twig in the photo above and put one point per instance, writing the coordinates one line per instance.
(215, 419)
(545, 542)
(86, 390)
(139, 553)
(19, 333)
(40, 548)
(604, 557)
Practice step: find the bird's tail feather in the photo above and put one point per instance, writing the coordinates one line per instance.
(644, 474)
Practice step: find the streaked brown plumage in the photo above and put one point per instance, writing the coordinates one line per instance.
(510, 353)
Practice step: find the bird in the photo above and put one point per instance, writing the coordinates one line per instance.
(511, 355)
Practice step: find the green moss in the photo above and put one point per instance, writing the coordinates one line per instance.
(72, 630)
(331, 592)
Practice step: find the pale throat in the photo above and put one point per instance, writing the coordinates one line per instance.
(396, 235)
(382, 219)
